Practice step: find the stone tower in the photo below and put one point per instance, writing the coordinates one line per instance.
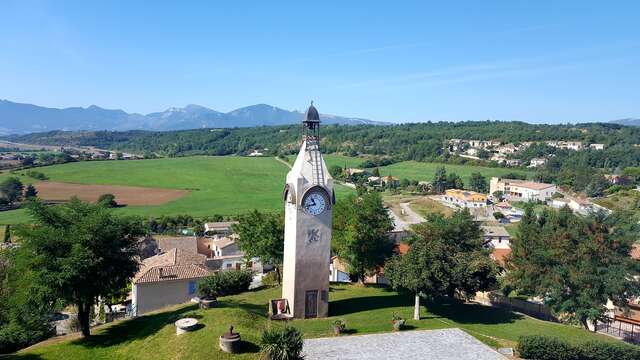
(309, 199)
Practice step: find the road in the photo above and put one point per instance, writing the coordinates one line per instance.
(408, 217)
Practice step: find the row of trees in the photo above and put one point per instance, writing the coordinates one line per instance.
(13, 190)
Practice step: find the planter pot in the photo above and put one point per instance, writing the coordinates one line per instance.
(208, 303)
(230, 343)
(185, 325)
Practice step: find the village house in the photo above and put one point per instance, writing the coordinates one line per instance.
(596, 146)
(219, 228)
(390, 181)
(464, 198)
(618, 179)
(507, 149)
(513, 162)
(537, 162)
(566, 145)
(353, 171)
(167, 279)
(522, 190)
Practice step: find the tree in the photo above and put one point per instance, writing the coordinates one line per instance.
(7, 234)
(261, 235)
(360, 233)
(107, 200)
(12, 189)
(439, 182)
(446, 257)
(597, 186)
(478, 183)
(77, 252)
(576, 264)
(375, 172)
(404, 183)
(335, 171)
(30, 192)
(454, 181)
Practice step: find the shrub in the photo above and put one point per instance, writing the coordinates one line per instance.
(270, 279)
(226, 282)
(547, 348)
(281, 343)
(107, 200)
(339, 325)
(37, 175)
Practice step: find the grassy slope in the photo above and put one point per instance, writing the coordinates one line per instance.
(219, 185)
(365, 309)
(424, 171)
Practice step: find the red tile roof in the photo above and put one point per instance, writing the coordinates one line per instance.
(500, 255)
(174, 264)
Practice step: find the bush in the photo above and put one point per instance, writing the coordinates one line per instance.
(547, 348)
(37, 175)
(226, 282)
(270, 279)
(281, 343)
(107, 200)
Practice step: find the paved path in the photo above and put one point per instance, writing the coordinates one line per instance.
(404, 222)
(444, 344)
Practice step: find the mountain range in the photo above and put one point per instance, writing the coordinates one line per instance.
(18, 118)
(627, 121)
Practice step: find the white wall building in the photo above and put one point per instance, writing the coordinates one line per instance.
(522, 190)
(496, 237)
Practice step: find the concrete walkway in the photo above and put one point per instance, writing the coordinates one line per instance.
(444, 344)
(405, 221)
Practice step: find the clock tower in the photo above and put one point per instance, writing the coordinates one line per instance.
(309, 199)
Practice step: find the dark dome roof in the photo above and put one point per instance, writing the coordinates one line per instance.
(311, 114)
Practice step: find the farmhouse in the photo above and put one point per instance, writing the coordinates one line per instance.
(167, 279)
(464, 198)
(521, 189)
(596, 146)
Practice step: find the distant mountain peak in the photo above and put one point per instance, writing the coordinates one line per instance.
(17, 118)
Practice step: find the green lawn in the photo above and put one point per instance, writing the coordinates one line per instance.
(424, 171)
(365, 310)
(219, 185)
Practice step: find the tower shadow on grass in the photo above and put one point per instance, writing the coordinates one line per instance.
(135, 329)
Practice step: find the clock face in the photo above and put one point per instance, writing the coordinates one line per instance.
(315, 202)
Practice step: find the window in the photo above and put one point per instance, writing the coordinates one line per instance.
(192, 287)
(228, 265)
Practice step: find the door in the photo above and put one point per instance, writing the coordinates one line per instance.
(311, 304)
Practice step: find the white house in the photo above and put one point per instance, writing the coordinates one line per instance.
(522, 190)
(537, 162)
(596, 146)
(464, 198)
(167, 279)
(218, 228)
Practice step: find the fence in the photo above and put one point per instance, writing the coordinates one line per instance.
(626, 330)
(536, 310)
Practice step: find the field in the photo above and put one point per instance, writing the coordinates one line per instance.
(414, 170)
(210, 185)
(126, 195)
(201, 185)
(365, 310)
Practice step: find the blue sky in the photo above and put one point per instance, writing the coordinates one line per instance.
(535, 61)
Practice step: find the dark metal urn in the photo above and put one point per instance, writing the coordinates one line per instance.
(230, 342)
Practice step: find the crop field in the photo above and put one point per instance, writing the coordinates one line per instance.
(199, 186)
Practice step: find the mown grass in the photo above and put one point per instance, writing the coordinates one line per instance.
(218, 185)
(365, 309)
(414, 170)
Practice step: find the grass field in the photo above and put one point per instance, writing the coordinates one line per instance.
(217, 185)
(424, 171)
(365, 310)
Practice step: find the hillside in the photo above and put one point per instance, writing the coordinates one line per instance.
(365, 310)
(18, 118)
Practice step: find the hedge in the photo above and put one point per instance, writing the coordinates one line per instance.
(548, 348)
(225, 282)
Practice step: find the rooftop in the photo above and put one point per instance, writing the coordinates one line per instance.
(466, 195)
(527, 184)
(495, 231)
(172, 265)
